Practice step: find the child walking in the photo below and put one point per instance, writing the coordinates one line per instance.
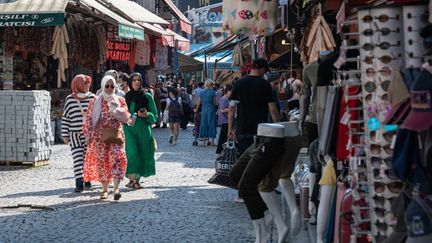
(175, 113)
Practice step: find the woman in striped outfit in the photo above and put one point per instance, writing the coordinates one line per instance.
(74, 113)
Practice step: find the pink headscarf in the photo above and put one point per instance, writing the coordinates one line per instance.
(78, 84)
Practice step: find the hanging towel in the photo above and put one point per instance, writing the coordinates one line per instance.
(238, 57)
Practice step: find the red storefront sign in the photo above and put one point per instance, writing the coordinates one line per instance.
(118, 51)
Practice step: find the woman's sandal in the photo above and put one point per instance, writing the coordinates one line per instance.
(117, 196)
(104, 196)
(130, 184)
(137, 186)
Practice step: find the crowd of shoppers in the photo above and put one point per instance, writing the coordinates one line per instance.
(110, 134)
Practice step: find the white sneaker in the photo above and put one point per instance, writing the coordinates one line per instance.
(238, 200)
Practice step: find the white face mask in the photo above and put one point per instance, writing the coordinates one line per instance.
(83, 95)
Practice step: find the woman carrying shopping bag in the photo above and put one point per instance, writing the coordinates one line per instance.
(105, 160)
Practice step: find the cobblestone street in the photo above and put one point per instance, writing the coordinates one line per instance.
(176, 205)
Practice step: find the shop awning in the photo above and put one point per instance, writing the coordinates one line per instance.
(185, 24)
(135, 12)
(189, 64)
(127, 29)
(223, 60)
(181, 43)
(167, 38)
(21, 13)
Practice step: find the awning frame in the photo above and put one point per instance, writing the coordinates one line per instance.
(185, 24)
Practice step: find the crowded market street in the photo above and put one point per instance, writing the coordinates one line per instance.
(176, 205)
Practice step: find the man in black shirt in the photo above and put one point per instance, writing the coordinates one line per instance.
(253, 97)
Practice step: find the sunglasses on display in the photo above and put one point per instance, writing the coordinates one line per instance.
(385, 71)
(109, 86)
(382, 228)
(424, 17)
(411, 29)
(377, 162)
(388, 136)
(381, 18)
(384, 59)
(382, 174)
(394, 187)
(381, 212)
(382, 46)
(384, 31)
(371, 86)
(376, 149)
(374, 124)
(380, 202)
(376, 136)
(373, 97)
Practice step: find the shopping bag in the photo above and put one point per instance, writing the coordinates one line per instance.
(223, 166)
(250, 17)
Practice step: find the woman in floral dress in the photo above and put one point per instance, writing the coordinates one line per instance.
(105, 162)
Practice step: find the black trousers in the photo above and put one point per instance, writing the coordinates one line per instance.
(250, 169)
(186, 116)
(223, 137)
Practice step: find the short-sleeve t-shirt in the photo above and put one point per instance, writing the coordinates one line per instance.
(253, 94)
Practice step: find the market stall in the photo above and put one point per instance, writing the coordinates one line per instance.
(365, 105)
(43, 51)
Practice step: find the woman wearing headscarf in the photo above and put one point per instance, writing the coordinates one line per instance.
(74, 114)
(140, 145)
(118, 90)
(105, 161)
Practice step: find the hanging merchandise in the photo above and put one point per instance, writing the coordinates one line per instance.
(86, 48)
(143, 51)
(320, 38)
(238, 57)
(60, 52)
(161, 56)
(250, 17)
(102, 44)
(390, 40)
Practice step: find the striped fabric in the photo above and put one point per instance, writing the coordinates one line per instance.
(72, 120)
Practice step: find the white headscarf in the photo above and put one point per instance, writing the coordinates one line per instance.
(97, 109)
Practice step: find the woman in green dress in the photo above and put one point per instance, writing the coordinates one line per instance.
(140, 143)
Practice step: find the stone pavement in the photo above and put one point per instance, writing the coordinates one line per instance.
(176, 205)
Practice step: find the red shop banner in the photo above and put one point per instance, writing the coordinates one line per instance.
(118, 50)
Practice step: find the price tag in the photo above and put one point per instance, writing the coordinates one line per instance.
(339, 165)
(345, 118)
(356, 196)
(393, 143)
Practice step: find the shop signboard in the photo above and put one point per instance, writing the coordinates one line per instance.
(31, 19)
(206, 16)
(118, 50)
(222, 65)
(129, 32)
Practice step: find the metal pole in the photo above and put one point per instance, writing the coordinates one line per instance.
(205, 65)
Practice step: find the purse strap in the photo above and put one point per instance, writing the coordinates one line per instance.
(82, 110)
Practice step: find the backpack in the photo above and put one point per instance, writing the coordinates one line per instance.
(289, 91)
(175, 108)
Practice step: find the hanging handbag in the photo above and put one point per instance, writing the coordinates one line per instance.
(223, 166)
(111, 136)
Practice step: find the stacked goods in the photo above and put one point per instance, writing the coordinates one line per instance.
(25, 131)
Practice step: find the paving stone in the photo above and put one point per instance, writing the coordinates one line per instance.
(176, 205)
